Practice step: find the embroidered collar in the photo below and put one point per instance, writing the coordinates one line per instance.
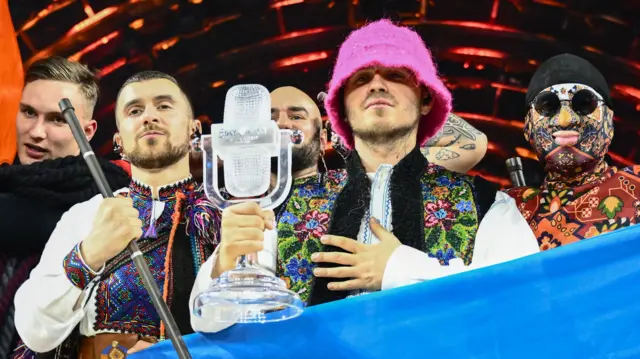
(166, 192)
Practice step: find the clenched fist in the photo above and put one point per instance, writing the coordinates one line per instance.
(242, 233)
(115, 225)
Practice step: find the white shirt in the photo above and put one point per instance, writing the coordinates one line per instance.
(503, 235)
(48, 306)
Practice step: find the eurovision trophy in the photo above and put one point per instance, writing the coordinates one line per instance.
(245, 142)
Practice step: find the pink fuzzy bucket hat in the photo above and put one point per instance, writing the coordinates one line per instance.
(382, 43)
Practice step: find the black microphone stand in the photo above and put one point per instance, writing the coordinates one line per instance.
(136, 255)
(515, 169)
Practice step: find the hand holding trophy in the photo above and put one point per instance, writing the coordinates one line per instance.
(245, 142)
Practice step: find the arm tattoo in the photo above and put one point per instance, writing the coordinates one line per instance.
(453, 130)
(433, 140)
(456, 124)
(469, 146)
(445, 154)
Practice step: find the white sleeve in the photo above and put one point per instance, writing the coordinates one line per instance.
(48, 305)
(503, 235)
(408, 265)
(203, 281)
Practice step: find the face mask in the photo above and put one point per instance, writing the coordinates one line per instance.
(570, 127)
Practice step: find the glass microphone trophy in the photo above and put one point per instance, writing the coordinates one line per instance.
(245, 142)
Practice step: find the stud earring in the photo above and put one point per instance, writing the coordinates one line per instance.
(117, 148)
(195, 141)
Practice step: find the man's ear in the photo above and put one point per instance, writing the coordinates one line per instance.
(196, 127)
(117, 142)
(427, 102)
(90, 128)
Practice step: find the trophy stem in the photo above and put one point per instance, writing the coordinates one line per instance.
(245, 261)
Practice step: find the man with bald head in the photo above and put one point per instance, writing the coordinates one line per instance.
(294, 109)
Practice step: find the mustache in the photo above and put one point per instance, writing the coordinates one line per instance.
(149, 128)
(379, 95)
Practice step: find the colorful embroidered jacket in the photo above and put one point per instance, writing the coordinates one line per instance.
(178, 238)
(560, 216)
(444, 222)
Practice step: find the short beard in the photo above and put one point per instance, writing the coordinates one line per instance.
(379, 137)
(302, 157)
(152, 160)
(383, 135)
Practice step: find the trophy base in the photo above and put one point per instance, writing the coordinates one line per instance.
(248, 295)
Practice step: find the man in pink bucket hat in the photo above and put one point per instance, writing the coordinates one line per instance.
(399, 219)
(391, 218)
(382, 45)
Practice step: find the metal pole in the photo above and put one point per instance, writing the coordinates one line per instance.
(136, 255)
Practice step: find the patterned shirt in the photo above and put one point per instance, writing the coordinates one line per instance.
(563, 215)
(113, 300)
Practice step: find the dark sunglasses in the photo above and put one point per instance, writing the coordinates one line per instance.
(583, 102)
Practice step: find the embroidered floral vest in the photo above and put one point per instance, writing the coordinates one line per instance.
(451, 219)
(563, 216)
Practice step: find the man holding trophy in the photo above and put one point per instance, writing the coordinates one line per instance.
(391, 218)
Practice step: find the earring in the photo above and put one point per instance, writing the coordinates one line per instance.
(195, 140)
(117, 149)
(324, 163)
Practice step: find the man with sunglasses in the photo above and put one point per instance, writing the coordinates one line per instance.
(570, 125)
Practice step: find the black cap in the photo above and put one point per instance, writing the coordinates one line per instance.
(567, 68)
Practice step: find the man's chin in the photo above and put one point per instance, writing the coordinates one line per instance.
(28, 160)
(382, 133)
(569, 160)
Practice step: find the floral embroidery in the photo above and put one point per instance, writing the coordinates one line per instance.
(315, 222)
(440, 192)
(299, 269)
(451, 222)
(464, 206)
(450, 218)
(444, 256)
(439, 213)
(302, 221)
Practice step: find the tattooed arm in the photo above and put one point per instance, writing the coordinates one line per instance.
(458, 146)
